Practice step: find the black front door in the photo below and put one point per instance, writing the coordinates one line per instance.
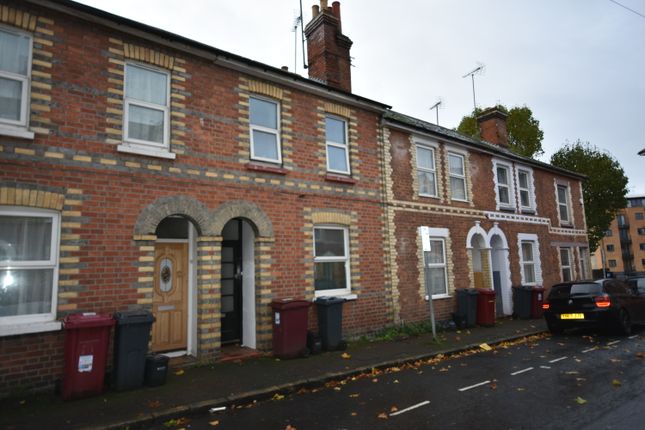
(232, 291)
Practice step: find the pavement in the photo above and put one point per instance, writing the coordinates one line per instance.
(195, 390)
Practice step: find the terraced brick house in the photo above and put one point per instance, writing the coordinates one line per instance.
(143, 170)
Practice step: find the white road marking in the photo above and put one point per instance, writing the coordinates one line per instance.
(555, 360)
(528, 369)
(545, 367)
(634, 336)
(613, 343)
(474, 386)
(418, 405)
(584, 351)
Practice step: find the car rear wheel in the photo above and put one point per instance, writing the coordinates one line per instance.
(624, 322)
(554, 327)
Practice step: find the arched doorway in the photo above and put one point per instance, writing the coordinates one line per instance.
(477, 243)
(173, 295)
(501, 272)
(238, 296)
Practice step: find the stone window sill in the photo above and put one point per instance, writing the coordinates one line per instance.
(19, 132)
(347, 297)
(149, 152)
(26, 328)
(439, 296)
(340, 179)
(256, 167)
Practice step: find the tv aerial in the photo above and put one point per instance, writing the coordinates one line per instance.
(479, 70)
(439, 103)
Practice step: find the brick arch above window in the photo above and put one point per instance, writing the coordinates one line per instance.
(31, 197)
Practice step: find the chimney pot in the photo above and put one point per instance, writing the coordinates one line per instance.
(315, 10)
(285, 68)
(328, 48)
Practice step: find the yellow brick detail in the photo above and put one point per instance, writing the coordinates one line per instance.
(25, 151)
(265, 89)
(108, 162)
(337, 110)
(82, 158)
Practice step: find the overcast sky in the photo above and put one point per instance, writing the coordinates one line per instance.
(578, 64)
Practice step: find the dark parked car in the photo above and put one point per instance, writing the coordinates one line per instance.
(607, 303)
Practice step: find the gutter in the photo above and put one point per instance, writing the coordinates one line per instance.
(225, 59)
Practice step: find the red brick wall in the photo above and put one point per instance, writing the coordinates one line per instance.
(113, 195)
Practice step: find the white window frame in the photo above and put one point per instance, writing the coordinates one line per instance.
(437, 233)
(451, 175)
(35, 322)
(138, 146)
(568, 267)
(432, 148)
(566, 203)
(277, 132)
(443, 265)
(537, 266)
(23, 122)
(530, 190)
(345, 147)
(510, 186)
(335, 259)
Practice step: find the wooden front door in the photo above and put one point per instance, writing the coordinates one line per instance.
(170, 297)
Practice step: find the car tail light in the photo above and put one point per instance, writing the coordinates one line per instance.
(602, 301)
(545, 306)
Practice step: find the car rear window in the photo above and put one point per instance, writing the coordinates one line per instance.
(565, 291)
(585, 289)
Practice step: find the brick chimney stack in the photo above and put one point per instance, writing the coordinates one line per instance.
(328, 48)
(492, 126)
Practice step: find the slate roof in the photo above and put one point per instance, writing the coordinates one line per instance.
(447, 133)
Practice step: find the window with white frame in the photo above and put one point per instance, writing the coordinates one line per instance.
(504, 186)
(435, 261)
(331, 260)
(525, 189)
(336, 142)
(147, 111)
(457, 173)
(530, 267)
(563, 204)
(265, 129)
(565, 264)
(426, 171)
(28, 265)
(15, 72)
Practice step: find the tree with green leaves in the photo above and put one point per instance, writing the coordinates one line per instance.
(524, 133)
(604, 190)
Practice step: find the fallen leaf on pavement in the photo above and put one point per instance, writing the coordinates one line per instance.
(337, 388)
(616, 383)
(354, 395)
(443, 369)
(382, 416)
(346, 356)
(520, 389)
(375, 380)
(289, 427)
(214, 423)
(639, 355)
(354, 414)
(277, 396)
(572, 372)
(580, 400)
(179, 372)
(393, 409)
(485, 347)
(493, 386)
(396, 381)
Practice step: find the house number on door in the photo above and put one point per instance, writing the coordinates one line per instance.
(165, 275)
